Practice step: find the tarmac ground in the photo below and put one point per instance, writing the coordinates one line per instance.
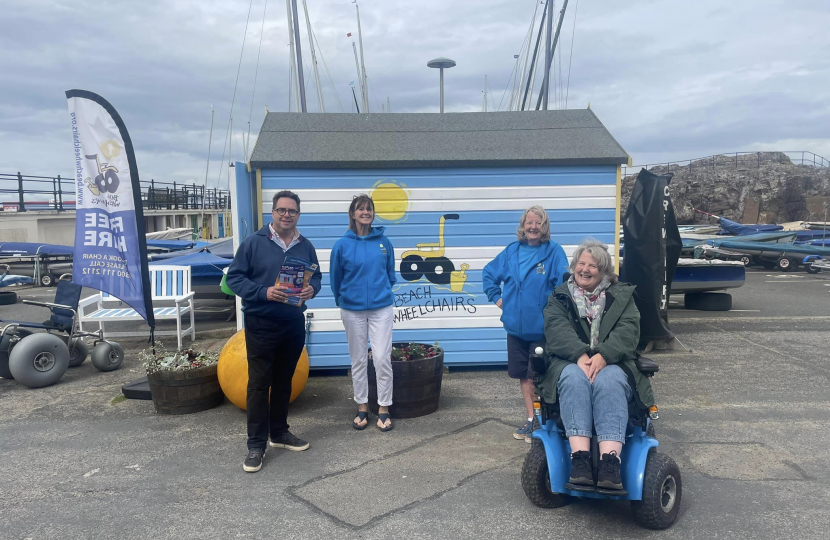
(744, 412)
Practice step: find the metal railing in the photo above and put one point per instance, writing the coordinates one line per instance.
(738, 160)
(22, 193)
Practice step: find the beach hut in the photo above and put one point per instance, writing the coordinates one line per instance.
(450, 188)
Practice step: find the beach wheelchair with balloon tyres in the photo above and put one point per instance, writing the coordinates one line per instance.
(651, 480)
(37, 359)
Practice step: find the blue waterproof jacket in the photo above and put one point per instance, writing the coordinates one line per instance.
(363, 271)
(524, 297)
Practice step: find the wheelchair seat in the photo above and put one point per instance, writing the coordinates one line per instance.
(67, 294)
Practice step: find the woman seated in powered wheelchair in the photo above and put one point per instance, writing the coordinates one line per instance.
(595, 437)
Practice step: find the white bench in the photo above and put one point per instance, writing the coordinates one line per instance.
(168, 285)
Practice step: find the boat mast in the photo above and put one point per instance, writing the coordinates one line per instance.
(207, 168)
(359, 78)
(362, 62)
(292, 60)
(549, 59)
(300, 76)
(485, 93)
(533, 62)
(313, 58)
(354, 95)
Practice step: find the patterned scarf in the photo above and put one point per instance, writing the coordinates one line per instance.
(590, 305)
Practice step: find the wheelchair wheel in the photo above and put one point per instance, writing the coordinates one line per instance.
(107, 356)
(39, 360)
(662, 491)
(6, 345)
(536, 480)
(78, 351)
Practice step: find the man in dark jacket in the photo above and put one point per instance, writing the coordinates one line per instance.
(274, 329)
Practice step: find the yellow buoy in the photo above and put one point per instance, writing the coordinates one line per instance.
(233, 371)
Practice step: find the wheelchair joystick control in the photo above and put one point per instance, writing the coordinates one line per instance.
(537, 361)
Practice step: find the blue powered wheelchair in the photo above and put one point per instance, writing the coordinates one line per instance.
(652, 480)
(40, 359)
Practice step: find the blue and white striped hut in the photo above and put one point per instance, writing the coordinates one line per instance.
(450, 188)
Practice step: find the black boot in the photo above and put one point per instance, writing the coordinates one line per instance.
(609, 481)
(582, 477)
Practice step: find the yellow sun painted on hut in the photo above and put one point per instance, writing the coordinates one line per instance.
(391, 200)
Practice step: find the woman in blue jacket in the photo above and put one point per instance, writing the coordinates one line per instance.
(362, 275)
(519, 280)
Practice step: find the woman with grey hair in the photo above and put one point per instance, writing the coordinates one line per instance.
(518, 281)
(592, 327)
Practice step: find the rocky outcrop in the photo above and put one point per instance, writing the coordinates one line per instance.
(765, 187)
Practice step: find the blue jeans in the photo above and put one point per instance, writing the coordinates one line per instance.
(604, 404)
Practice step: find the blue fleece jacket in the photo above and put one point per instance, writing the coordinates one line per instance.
(363, 271)
(524, 295)
(256, 266)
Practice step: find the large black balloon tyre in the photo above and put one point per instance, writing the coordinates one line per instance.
(442, 277)
(412, 267)
(8, 298)
(708, 301)
(78, 351)
(39, 360)
(536, 480)
(662, 491)
(107, 356)
(5, 345)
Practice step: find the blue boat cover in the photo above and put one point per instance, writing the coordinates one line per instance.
(223, 249)
(172, 245)
(12, 279)
(772, 247)
(17, 249)
(201, 264)
(732, 227)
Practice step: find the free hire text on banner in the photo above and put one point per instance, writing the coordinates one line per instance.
(110, 245)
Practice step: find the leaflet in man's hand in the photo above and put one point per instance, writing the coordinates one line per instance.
(293, 278)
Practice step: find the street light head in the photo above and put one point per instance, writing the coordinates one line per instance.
(441, 63)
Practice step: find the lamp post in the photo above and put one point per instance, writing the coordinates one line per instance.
(441, 63)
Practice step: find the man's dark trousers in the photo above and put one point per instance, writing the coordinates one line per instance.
(274, 346)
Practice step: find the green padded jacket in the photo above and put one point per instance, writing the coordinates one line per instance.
(566, 337)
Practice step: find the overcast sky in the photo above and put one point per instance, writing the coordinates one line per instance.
(671, 79)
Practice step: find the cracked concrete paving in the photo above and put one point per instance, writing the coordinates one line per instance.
(745, 415)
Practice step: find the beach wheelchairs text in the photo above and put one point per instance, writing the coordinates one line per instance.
(652, 481)
(41, 358)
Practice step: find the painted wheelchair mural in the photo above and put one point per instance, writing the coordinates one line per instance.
(427, 260)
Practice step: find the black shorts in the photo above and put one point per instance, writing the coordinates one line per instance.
(518, 357)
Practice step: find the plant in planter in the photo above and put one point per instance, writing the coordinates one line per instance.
(182, 382)
(417, 371)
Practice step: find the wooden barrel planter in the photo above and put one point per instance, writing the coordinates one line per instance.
(416, 386)
(185, 392)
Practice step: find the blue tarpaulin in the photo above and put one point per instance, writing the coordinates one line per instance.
(17, 249)
(201, 264)
(732, 227)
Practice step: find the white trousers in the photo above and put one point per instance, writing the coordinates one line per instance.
(376, 325)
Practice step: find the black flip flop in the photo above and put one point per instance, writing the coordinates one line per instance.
(361, 416)
(383, 417)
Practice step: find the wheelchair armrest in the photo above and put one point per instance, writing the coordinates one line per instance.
(647, 366)
(48, 305)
